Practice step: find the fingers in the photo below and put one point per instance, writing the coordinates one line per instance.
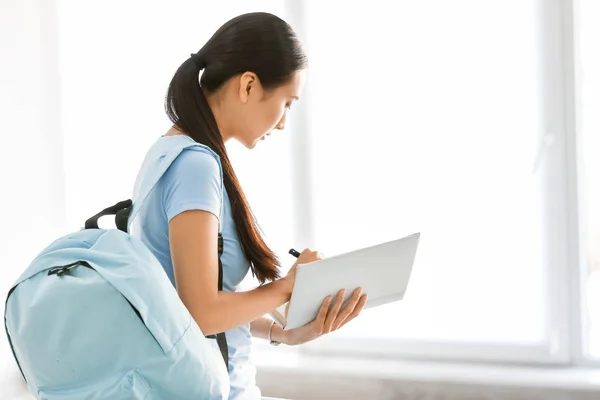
(308, 256)
(348, 309)
(333, 313)
(329, 317)
(321, 316)
(359, 306)
(313, 329)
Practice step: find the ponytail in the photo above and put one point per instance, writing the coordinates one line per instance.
(187, 107)
(258, 42)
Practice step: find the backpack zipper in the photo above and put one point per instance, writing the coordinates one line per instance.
(63, 269)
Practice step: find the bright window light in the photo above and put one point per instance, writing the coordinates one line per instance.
(425, 118)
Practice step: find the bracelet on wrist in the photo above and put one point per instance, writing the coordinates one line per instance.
(271, 341)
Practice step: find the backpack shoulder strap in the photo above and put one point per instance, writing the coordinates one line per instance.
(154, 167)
(156, 163)
(221, 339)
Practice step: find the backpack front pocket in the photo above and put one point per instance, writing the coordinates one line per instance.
(131, 386)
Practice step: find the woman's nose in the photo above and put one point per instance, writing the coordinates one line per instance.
(281, 124)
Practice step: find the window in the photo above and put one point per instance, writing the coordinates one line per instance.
(589, 86)
(430, 116)
(447, 118)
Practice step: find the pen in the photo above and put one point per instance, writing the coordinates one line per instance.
(294, 252)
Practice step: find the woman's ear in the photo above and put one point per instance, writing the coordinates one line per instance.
(249, 86)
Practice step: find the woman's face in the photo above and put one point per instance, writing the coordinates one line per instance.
(262, 110)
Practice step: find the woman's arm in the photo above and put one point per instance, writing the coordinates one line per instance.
(193, 238)
(260, 329)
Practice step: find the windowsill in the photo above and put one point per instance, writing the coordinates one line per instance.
(285, 360)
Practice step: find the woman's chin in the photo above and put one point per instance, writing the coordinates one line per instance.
(251, 145)
(255, 142)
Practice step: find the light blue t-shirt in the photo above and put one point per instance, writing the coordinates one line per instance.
(193, 182)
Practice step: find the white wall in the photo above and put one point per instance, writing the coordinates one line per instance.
(31, 176)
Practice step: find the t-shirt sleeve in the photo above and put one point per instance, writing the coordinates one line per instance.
(192, 182)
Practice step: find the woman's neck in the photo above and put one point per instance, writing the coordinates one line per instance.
(174, 131)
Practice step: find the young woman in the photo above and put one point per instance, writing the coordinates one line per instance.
(240, 86)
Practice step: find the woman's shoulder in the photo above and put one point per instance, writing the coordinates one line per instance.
(192, 181)
(198, 158)
(189, 144)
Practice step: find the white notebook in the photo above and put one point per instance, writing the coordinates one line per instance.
(382, 271)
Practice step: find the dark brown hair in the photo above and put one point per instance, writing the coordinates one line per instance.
(257, 42)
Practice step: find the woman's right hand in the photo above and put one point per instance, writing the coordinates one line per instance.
(307, 256)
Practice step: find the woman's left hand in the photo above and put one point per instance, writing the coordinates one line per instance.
(328, 319)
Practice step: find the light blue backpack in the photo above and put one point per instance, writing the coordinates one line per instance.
(96, 317)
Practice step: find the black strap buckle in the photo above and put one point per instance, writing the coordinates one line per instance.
(121, 212)
(63, 269)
